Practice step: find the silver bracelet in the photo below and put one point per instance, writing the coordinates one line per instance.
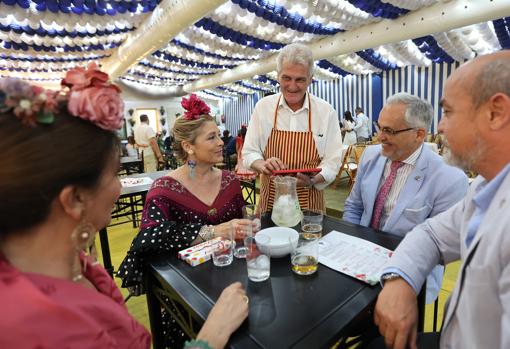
(206, 232)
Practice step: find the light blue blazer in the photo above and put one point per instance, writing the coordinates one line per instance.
(431, 188)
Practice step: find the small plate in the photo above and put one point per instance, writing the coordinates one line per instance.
(283, 240)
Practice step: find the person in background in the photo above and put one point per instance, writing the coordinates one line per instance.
(194, 203)
(362, 126)
(293, 130)
(400, 182)
(476, 129)
(226, 137)
(349, 124)
(145, 138)
(240, 170)
(131, 147)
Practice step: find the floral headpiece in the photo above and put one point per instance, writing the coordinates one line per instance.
(90, 97)
(195, 107)
(30, 104)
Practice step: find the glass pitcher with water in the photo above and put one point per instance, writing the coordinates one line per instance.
(286, 210)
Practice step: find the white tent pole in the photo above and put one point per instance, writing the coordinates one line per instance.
(433, 19)
(168, 19)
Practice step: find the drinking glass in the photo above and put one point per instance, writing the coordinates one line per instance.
(258, 261)
(241, 233)
(311, 224)
(305, 255)
(252, 212)
(223, 253)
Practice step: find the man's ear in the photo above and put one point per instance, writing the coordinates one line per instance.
(72, 202)
(499, 107)
(421, 133)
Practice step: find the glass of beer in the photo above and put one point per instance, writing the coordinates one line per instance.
(311, 224)
(305, 255)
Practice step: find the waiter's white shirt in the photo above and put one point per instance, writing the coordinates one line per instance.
(143, 134)
(361, 127)
(325, 129)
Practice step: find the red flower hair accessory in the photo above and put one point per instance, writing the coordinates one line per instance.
(93, 98)
(195, 107)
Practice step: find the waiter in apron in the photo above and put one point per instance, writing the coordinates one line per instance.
(293, 130)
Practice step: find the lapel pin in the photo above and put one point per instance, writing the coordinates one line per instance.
(417, 178)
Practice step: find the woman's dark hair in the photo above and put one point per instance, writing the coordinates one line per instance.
(38, 162)
(348, 116)
(243, 131)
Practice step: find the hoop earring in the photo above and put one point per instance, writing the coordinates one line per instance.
(192, 164)
(82, 238)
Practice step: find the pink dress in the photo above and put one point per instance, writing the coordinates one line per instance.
(45, 312)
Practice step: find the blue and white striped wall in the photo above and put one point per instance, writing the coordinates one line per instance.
(238, 111)
(426, 83)
(367, 91)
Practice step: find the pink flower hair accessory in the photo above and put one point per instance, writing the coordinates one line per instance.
(195, 107)
(93, 98)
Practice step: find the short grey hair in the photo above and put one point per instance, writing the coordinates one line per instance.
(295, 54)
(493, 77)
(419, 112)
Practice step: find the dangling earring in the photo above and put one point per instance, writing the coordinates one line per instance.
(82, 237)
(192, 164)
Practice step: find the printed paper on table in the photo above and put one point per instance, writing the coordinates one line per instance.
(353, 256)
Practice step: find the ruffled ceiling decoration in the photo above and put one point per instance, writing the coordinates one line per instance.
(41, 39)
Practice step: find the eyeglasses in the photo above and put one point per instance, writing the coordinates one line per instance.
(391, 132)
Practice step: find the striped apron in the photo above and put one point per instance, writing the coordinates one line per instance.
(296, 150)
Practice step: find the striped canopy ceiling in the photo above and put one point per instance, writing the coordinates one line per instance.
(41, 39)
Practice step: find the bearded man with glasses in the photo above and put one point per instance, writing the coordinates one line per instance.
(400, 182)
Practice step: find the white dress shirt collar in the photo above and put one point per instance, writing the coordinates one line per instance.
(283, 104)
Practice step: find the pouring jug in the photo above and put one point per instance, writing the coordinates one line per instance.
(286, 209)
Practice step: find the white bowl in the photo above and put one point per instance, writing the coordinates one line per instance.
(283, 241)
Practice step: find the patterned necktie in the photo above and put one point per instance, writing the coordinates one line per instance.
(383, 194)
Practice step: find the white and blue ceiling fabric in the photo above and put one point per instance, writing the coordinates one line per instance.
(41, 39)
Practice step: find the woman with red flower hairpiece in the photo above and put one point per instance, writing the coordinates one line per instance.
(58, 189)
(193, 203)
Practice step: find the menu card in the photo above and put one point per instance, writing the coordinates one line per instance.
(133, 182)
(353, 256)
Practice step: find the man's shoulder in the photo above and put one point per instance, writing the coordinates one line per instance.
(269, 100)
(320, 102)
(439, 167)
(371, 152)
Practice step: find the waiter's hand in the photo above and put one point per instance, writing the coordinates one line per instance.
(268, 166)
(306, 180)
(396, 314)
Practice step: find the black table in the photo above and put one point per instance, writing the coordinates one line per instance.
(131, 164)
(287, 310)
(130, 203)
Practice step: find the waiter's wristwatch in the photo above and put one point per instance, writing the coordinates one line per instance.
(390, 276)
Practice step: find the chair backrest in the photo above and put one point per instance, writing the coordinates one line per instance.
(358, 151)
(249, 194)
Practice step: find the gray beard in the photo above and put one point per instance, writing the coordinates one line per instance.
(466, 161)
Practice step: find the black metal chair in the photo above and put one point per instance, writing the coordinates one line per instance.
(249, 191)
